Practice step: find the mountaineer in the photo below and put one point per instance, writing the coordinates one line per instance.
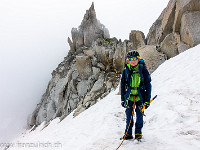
(135, 91)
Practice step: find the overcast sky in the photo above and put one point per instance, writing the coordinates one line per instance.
(33, 41)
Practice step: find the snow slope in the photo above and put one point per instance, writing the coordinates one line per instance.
(172, 122)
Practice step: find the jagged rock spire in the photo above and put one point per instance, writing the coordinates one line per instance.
(90, 16)
(89, 30)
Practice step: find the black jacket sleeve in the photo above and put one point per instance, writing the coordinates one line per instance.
(147, 84)
(123, 86)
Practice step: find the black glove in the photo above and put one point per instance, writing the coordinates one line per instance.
(123, 104)
(146, 104)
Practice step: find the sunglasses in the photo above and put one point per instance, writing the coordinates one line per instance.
(133, 58)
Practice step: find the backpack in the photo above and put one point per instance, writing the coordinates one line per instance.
(141, 65)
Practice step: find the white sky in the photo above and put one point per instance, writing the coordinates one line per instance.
(33, 41)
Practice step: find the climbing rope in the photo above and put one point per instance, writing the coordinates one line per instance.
(129, 124)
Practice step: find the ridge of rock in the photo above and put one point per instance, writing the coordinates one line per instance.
(91, 69)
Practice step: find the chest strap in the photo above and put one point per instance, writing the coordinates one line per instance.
(134, 88)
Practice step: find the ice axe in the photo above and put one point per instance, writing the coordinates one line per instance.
(142, 109)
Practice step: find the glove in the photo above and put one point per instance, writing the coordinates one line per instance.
(146, 104)
(123, 104)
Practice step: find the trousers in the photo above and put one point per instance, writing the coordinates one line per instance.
(139, 119)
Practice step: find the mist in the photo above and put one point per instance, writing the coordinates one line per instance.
(33, 41)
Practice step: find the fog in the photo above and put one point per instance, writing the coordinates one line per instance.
(33, 41)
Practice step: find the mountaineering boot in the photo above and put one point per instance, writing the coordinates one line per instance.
(127, 137)
(138, 136)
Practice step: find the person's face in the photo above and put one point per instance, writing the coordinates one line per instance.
(134, 62)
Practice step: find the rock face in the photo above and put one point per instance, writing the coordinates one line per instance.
(183, 6)
(81, 80)
(172, 45)
(137, 38)
(84, 67)
(152, 57)
(179, 18)
(190, 28)
(169, 46)
(90, 71)
(89, 30)
(163, 25)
